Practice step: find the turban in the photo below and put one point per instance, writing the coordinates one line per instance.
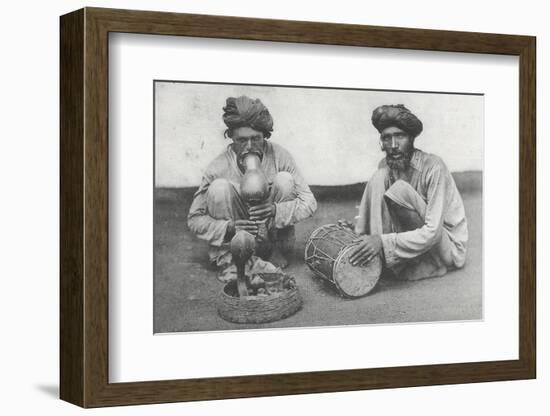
(397, 116)
(246, 112)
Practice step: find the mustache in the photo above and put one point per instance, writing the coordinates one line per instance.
(242, 155)
(249, 152)
(399, 154)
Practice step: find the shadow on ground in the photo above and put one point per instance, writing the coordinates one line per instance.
(186, 288)
(49, 390)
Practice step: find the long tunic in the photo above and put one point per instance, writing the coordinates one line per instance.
(275, 159)
(444, 213)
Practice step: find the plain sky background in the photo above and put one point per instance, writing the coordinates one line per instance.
(29, 166)
(320, 127)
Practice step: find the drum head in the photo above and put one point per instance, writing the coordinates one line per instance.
(355, 281)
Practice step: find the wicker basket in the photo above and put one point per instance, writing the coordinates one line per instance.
(258, 309)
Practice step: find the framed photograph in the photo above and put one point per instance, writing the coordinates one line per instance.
(255, 207)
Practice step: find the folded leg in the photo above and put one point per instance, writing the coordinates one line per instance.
(283, 239)
(407, 209)
(224, 202)
(374, 217)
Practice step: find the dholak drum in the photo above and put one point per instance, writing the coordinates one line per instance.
(327, 255)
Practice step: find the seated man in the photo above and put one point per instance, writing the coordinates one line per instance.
(411, 212)
(218, 210)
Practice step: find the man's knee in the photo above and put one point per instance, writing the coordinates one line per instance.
(400, 187)
(401, 194)
(283, 186)
(220, 190)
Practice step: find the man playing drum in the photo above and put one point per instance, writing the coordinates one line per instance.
(411, 213)
(218, 210)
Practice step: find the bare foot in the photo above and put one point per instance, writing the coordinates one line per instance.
(423, 271)
(440, 272)
(278, 259)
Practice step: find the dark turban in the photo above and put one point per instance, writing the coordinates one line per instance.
(398, 116)
(246, 112)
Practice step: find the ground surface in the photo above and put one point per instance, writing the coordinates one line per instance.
(186, 288)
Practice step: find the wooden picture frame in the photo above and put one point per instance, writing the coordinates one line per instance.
(84, 207)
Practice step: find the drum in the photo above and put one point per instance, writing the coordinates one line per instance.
(327, 255)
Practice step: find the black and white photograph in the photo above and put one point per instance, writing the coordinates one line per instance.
(269, 208)
(281, 206)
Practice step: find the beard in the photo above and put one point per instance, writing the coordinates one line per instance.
(402, 163)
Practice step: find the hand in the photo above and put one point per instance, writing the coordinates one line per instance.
(367, 247)
(246, 225)
(262, 211)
